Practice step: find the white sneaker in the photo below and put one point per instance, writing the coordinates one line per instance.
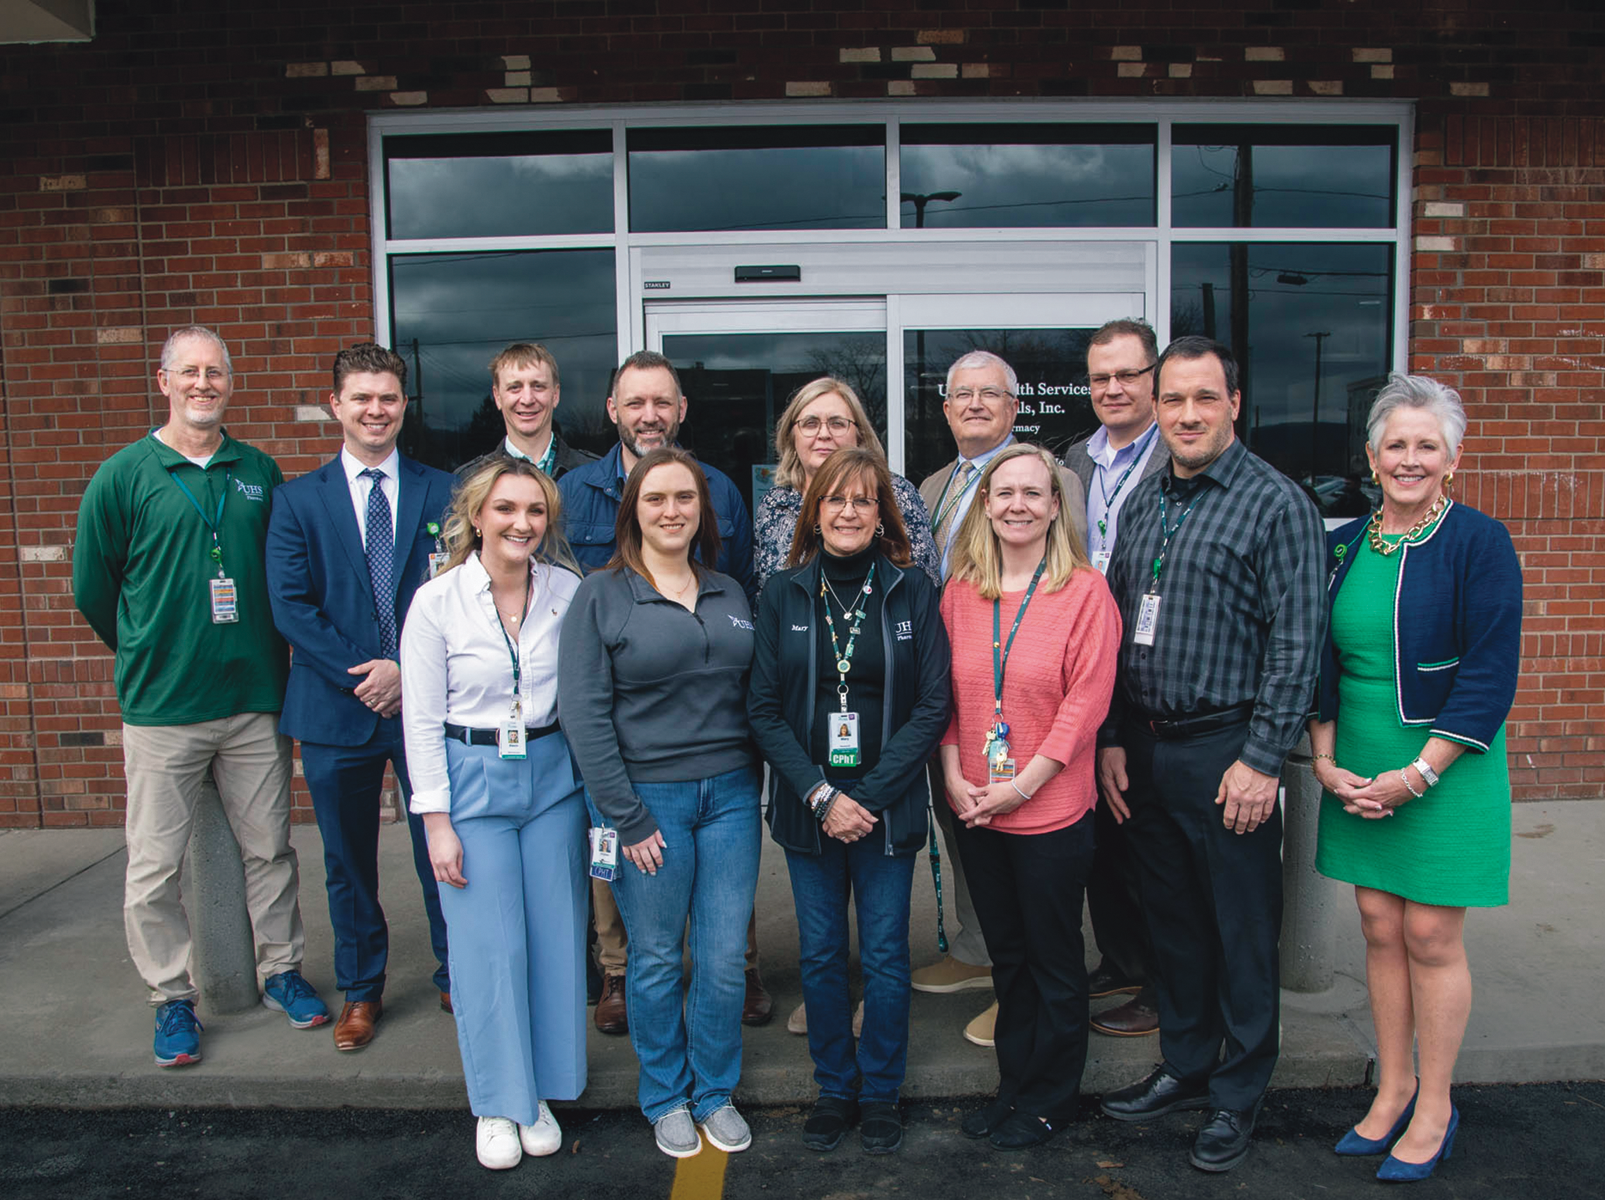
(542, 1138)
(496, 1141)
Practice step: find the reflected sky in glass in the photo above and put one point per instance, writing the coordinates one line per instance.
(1319, 186)
(462, 309)
(499, 195)
(1006, 180)
(1286, 295)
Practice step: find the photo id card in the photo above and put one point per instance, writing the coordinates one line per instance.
(844, 751)
(604, 853)
(225, 602)
(999, 769)
(1147, 621)
(510, 738)
(437, 562)
(1100, 560)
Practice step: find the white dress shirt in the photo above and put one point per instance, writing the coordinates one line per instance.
(360, 487)
(456, 667)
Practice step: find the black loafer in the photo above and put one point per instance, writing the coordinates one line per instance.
(1106, 981)
(1155, 1096)
(1223, 1142)
(880, 1129)
(828, 1123)
(1021, 1132)
(982, 1122)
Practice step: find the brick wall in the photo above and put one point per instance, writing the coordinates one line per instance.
(208, 163)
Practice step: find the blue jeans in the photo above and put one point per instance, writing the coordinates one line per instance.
(689, 1042)
(880, 885)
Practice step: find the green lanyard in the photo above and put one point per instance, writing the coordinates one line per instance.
(1000, 650)
(1169, 531)
(851, 617)
(212, 523)
(1108, 500)
(512, 650)
(944, 509)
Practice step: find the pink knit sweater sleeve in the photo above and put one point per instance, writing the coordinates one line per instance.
(1088, 665)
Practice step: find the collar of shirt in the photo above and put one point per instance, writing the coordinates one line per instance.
(545, 462)
(354, 467)
(644, 593)
(1099, 450)
(986, 456)
(1222, 472)
(357, 487)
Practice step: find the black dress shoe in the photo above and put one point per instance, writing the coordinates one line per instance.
(982, 1122)
(828, 1123)
(880, 1128)
(1155, 1096)
(1021, 1132)
(1106, 981)
(1224, 1141)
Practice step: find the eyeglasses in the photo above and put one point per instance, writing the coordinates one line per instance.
(810, 425)
(1127, 378)
(988, 395)
(861, 504)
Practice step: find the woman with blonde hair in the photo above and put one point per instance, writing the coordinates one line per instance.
(1034, 634)
(501, 803)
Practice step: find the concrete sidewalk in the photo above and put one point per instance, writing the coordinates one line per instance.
(78, 1033)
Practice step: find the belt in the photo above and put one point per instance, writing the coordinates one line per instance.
(487, 737)
(1182, 727)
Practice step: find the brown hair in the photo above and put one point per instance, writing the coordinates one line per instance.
(470, 497)
(522, 354)
(627, 528)
(369, 358)
(1128, 327)
(851, 462)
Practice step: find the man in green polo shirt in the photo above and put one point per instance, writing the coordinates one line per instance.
(168, 570)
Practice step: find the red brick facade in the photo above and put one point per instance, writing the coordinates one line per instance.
(208, 163)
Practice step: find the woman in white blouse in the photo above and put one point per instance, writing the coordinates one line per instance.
(502, 803)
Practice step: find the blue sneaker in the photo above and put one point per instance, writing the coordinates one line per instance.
(178, 1039)
(288, 993)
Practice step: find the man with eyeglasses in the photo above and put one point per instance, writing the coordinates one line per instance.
(1125, 450)
(981, 403)
(525, 389)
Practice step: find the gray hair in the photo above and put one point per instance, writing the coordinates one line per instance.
(1418, 392)
(170, 347)
(977, 359)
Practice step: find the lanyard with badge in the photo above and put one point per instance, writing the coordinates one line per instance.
(225, 596)
(1103, 554)
(439, 556)
(510, 733)
(844, 745)
(1148, 614)
(945, 508)
(998, 753)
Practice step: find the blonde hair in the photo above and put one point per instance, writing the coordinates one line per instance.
(976, 557)
(459, 535)
(790, 473)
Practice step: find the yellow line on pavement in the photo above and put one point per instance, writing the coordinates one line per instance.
(700, 1177)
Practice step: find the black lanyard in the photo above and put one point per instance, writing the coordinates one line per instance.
(1168, 532)
(1000, 650)
(1108, 500)
(214, 524)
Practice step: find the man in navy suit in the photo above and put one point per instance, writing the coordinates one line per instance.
(347, 546)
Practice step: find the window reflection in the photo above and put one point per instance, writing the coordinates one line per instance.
(1311, 325)
(968, 176)
(496, 185)
(1268, 175)
(797, 177)
(452, 313)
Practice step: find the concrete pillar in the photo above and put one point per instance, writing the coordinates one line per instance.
(1312, 904)
(225, 952)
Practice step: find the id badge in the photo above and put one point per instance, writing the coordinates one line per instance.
(510, 737)
(437, 562)
(844, 750)
(1100, 560)
(225, 602)
(999, 769)
(1147, 621)
(604, 853)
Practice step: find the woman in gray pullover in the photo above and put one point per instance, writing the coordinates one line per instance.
(652, 685)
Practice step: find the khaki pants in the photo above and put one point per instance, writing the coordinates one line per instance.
(167, 766)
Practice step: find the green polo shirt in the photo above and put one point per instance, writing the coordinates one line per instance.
(140, 575)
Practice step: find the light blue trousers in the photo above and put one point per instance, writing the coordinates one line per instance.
(517, 931)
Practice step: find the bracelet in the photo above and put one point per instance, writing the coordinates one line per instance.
(820, 795)
(823, 811)
(1017, 790)
(1408, 788)
(1428, 775)
(1328, 758)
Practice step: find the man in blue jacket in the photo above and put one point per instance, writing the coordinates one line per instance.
(647, 405)
(347, 546)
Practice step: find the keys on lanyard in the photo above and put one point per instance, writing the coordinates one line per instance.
(225, 605)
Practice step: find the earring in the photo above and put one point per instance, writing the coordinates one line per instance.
(880, 529)
(818, 532)
(1375, 479)
(1448, 480)
(476, 531)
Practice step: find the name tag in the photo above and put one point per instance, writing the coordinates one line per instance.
(1100, 560)
(604, 854)
(1147, 621)
(844, 751)
(437, 562)
(225, 602)
(510, 734)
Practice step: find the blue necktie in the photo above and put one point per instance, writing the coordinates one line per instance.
(381, 551)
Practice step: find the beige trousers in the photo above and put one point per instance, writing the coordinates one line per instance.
(167, 766)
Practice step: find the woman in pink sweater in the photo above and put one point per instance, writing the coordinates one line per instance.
(1034, 632)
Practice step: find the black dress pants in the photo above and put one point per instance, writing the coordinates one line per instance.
(1027, 891)
(1213, 903)
(1114, 901)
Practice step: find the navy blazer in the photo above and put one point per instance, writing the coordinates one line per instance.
(1456, 626)
(323, 601)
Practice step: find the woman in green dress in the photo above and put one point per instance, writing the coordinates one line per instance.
(1417, 677)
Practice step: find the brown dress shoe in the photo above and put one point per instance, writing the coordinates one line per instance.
(612, 1014)
(1137, 1017)
(445, 1003)
(759, 1006)
(354, 1029)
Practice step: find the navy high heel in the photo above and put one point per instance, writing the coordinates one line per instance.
(1353, 1145)
(1393, 1170)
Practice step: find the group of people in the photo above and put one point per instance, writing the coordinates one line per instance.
(1091, 672)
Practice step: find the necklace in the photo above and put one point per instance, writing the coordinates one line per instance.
(852, 617)
(1384, 548)
(676, 593)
